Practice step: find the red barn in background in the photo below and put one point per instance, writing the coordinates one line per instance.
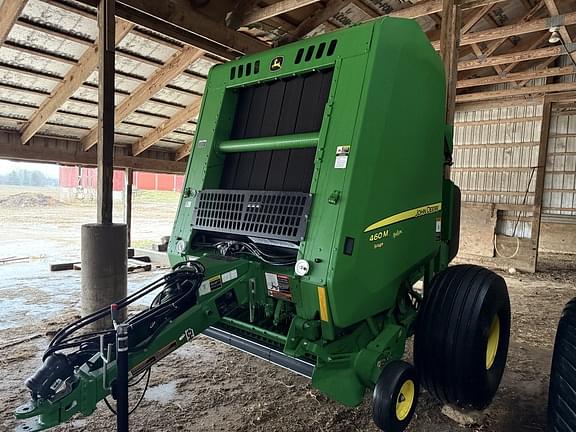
(73, 176)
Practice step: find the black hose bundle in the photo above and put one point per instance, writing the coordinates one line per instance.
(233, 247)
(180, 289)
(179, 293)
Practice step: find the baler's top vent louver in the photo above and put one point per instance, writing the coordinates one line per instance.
(321, 51)
(268, 214)
(246, 69)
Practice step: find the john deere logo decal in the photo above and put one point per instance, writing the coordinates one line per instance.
(276, 63)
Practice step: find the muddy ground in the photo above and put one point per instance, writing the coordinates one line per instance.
(206, 386)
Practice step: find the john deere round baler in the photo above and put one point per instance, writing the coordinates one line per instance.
(314, 200)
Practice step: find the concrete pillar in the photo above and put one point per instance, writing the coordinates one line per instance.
(104, 268)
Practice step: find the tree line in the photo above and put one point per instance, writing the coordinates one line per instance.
(27, 178)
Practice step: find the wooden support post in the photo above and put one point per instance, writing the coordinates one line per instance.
(540, 175)
(106, 37)
(128, 204)
(449, 44)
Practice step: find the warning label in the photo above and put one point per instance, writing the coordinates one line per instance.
(342, 153)
(278, 285)
(231, 275)
(210, 285)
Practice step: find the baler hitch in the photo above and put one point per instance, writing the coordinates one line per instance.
(81, 368)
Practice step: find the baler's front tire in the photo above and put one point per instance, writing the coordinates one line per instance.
(562, 392)
(462, 335)
(395, 396)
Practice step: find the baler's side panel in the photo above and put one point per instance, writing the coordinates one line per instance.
(322, 239)
(398, 141)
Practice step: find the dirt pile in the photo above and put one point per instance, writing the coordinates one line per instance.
(28, 199)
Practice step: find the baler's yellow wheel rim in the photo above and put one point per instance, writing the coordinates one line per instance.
(493, 340)
(405, 399)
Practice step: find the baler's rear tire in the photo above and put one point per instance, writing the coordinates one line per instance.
(462, 334)
(562, 392)
(395, 396)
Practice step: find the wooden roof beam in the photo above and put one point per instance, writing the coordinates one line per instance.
(184, 151)
(492, 47)
(517, 76)
(70, 83)
(275, 9)
(236, 15)
(179, 20)
(511, 58)
(428, 7)
(44, 149)
(498, 94)
(540, 67)
(9, 13)
(534, 45)
(480, 56)
(471, 23)
(166, 127)
(553, 9)
(518, 29)
(529, 16)
(162, 76)
(475, 18)
(314, 20)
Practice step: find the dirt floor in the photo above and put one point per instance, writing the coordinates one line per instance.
(206, 386)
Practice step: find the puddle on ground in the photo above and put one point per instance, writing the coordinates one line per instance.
(29, 291)
(162, 393)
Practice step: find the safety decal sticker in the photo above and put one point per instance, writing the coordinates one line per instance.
(342, 153)
(228, 276)
(210, 285)
(278, 285)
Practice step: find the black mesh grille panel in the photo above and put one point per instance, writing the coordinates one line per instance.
(273, 215)
(283, 107)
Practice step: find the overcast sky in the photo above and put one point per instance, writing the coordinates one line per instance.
(49, 170)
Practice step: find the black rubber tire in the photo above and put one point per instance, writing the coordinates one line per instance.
(451, 337)
(562, 392)
(387, 392)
